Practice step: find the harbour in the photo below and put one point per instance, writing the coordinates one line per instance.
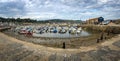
(59, 30)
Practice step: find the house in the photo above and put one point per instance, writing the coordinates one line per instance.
(97, 20)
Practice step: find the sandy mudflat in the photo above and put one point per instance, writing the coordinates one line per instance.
(57, 42)
(12, 49)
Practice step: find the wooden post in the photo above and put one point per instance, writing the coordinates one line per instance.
(64, 45)
(108, 33)
(98, 41)
(101, 37)
(105, 37)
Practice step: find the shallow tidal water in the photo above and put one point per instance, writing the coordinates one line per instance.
(63, 35)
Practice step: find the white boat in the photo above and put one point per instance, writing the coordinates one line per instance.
(62, 31)
(25, 30)
(36, 31)
(79, 30)
(72, 30)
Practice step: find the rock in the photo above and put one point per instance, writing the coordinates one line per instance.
(117, 43)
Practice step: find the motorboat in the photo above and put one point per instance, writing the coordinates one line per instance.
(72, 30)
(62, 31)
(55, 31)
(23, 31)
(79, 30)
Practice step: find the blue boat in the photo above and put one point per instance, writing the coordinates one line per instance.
(55, 31)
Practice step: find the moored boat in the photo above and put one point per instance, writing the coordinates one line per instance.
(79, 30)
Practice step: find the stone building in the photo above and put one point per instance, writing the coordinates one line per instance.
(95, 20)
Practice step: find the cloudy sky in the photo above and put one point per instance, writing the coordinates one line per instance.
(60, 9)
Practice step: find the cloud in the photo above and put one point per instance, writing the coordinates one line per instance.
(12, 8)
(63, 9)
(38, 15)
(6, 0)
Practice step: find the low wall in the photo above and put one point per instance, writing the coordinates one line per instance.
(103, 28)
(4, 28)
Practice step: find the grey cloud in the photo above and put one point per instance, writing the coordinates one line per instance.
(12, 8)
(66, 8)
